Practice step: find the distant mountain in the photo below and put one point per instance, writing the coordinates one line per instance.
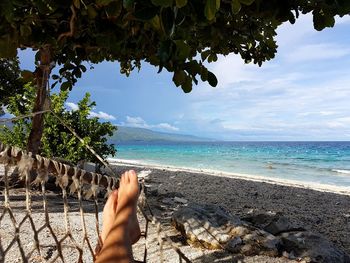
(130, 134)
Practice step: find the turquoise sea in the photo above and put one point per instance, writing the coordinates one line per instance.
(312, 162)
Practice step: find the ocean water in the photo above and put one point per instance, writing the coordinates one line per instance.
(325, 163)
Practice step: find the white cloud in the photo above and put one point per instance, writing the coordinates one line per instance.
(291, 106)
(342, 20)
(321, 113)
(72, 106)
(102, 115)
(167, 126)
(232, 69)
(289, 34)
(138, 122)
(285, 98)
(315, 52)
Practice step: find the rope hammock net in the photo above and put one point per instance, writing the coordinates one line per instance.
(37, 237)
(37, 225)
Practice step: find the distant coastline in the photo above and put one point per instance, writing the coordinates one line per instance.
(126, 134)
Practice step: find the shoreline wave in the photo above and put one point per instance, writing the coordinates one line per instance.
(341, 171)
(252, 177)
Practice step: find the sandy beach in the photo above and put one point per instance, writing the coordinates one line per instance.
(319, 211)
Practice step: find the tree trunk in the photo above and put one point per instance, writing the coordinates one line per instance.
(42, 73)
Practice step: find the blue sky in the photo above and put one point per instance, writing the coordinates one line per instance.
(303, 94)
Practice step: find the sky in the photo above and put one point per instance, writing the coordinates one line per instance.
(301, 95)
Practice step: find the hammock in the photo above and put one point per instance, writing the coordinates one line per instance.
(37, 225)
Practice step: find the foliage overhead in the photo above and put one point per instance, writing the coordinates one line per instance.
(11, 81)
(168, 34)
(57, 140)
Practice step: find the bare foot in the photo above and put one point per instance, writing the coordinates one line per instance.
(109, 214)
(110, 209)
(127, 203)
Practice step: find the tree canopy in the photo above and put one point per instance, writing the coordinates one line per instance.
(176, 35)
(57, 140)
(11, 81)
(180, 36)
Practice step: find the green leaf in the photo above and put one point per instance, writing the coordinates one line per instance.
(7, 47)
(76, 72)
(128, 4)
(204, 74)
(54, 77)
(164, 51)
(181, 3)
(210, 9)
(167, 21)
(235, 6)
(114, 9)
(92, 13)
(213, 81)
(179, 77)
(182, 50)
(187, 85)
(43, 7)
(246, 2)
(146, 13)
(25, 30)
(162, 3)
(193, 67)
(322, 20)
(205, 54)
(155, 22)
(82, 67)
(6, 8)
(66, 85)
(212, 58)
(103, 2)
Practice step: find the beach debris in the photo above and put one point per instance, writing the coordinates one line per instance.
(250, 211)
(168, 201)
(152, 192)
(212, 227)
(297, 242)
(180, 200)
(270, 234)
(274, 223)
(233, 243)
(144, 174)
(312, 247)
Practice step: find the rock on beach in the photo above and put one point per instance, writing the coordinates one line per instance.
(211, 227)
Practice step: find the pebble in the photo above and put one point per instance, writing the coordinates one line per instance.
(168, 201)
(180, 200)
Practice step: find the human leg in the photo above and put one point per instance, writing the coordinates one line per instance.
(120, 226)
